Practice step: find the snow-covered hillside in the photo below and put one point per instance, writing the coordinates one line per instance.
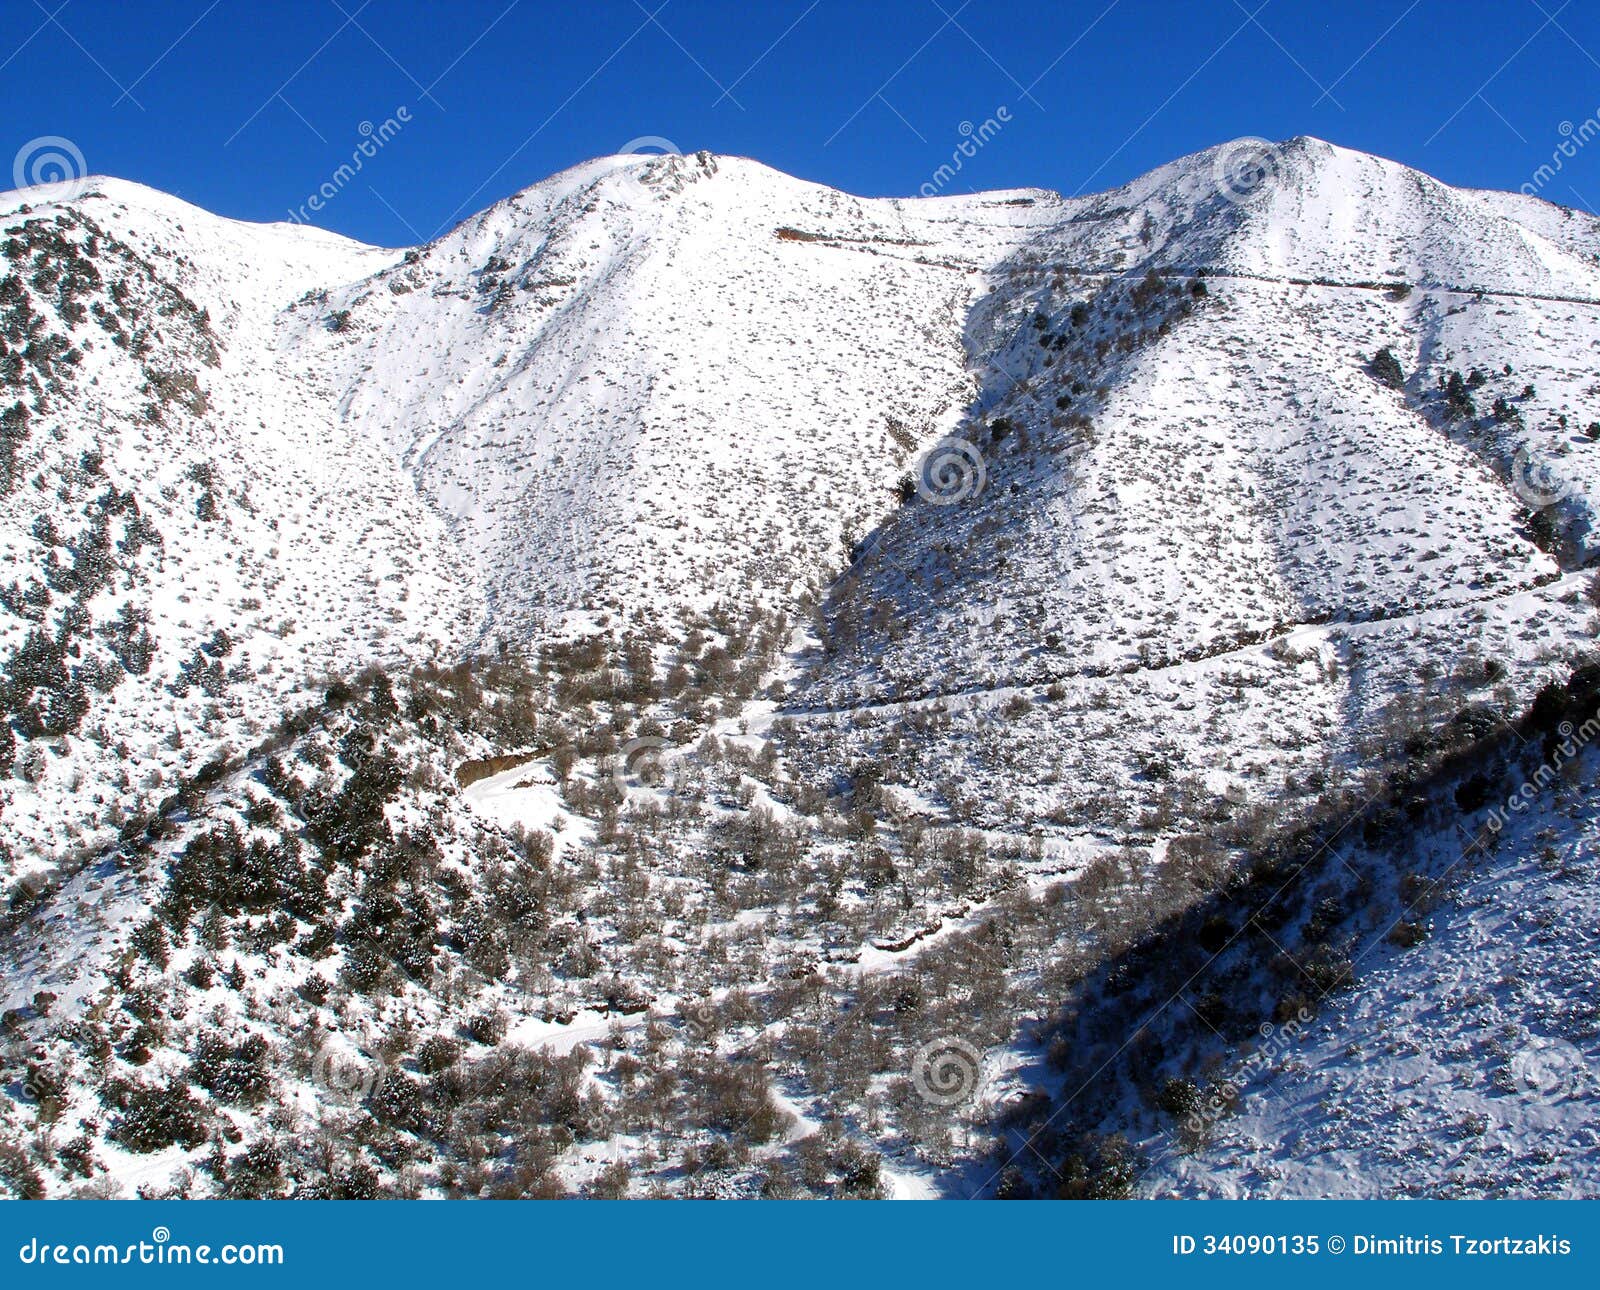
(684, 591)
(183, 544)
(1403, 1006)
(642, 385)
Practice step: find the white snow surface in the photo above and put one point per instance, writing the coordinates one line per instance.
(1206, 534)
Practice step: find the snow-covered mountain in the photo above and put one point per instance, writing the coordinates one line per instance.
(987, 536)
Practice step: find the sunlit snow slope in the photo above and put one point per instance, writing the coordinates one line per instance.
(647, 384)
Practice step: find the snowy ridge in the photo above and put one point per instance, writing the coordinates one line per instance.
(682, 600)
(227, 456)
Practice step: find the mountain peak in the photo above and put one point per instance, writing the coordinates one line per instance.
(697, 594)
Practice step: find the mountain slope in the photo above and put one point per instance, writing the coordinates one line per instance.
(181, 477)
(621, 371)
(751, 630)
(1170, 477)
(1399, 1006)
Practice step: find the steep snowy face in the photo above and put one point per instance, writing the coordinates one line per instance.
(1194, 522)
(646, 384)
(1133, 526)
(182, 552)
(650, 383)
(1328, 212)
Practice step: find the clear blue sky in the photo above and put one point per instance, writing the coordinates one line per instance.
(247, 106)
